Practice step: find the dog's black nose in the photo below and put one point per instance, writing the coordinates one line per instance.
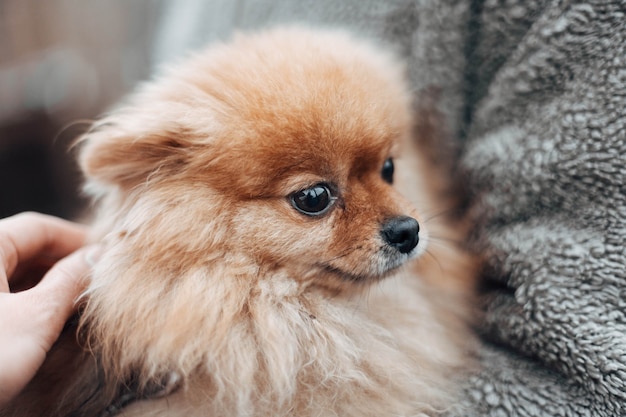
(402, 233)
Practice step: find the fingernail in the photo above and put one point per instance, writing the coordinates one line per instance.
(93, 253)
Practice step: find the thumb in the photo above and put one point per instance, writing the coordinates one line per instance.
(62, 285)
(35, 318)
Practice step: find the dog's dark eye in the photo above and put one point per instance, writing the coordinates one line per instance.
(313, 201)
(387, 171)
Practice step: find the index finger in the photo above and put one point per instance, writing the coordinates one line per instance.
(27, 235)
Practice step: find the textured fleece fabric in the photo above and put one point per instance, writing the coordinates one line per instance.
(535, 94)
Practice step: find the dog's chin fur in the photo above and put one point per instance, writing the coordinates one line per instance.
(210, 276)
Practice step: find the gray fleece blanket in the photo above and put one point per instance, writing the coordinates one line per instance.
(534, 93)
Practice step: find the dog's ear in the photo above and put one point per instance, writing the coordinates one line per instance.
(127, 147)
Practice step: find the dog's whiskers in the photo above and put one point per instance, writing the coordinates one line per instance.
(343, 254)
(435, 259)
(442, 240)
(448, 211)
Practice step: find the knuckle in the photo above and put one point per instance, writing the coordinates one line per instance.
(8, 252)
(29, 216)
(67, 270)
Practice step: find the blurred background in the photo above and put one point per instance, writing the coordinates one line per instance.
(62, 63)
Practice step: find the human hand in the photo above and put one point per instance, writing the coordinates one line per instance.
(32, 311)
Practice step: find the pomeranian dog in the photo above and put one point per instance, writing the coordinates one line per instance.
(262, 252)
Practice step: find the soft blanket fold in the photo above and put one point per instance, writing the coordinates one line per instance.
(546, 152)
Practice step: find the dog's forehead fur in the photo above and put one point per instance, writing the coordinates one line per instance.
(297, 104)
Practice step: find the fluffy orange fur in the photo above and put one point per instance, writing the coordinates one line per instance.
(211, 276)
